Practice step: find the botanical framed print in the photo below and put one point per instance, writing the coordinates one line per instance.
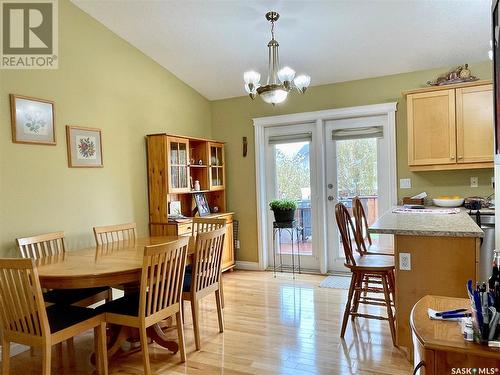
(32, 120)
(84, 147)
(202, 204)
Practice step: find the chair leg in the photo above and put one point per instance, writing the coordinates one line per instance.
(218, 300)
(348, 304)
(5, 356)
(46, 357)
(182, 311)
(221, 291)
(389, 308)
(145, 350)
(196, 327)
(70, 346)
(101, 350)
(180, 333)
(358, 286)
(367, 282)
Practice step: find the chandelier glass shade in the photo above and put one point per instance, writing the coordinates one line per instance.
(279, 81)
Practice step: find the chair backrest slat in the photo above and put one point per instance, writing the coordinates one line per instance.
(41, 246)
(114, 233)
(207, 258)
(347, 232)
(162, 276)
(22, 309)
(202, 225)
(361, 224)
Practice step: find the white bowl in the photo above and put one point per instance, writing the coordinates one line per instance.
(448, 202)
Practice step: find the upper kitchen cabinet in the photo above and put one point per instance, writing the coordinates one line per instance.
(475, 124)
(450, 127)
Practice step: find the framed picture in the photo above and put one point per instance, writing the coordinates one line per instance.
(32, 120)
(84, 147)
(202, 204)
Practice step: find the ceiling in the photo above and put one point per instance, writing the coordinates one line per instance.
(210, 43)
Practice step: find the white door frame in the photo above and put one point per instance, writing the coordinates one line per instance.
(319, 117)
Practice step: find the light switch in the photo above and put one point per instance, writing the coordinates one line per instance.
(405, 183)
(474, 182)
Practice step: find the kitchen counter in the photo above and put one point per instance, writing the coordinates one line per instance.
(422, 224)
(434, 254)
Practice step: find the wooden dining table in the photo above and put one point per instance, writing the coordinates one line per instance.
(117, 264)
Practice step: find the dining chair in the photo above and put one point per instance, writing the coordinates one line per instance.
(376, 267)
(114, 233)
(25, 319)
(361, 225)
(203, 225)
(159, 295)
(206, 276)
(53, 244)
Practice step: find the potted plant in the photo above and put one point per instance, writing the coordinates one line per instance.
(284, 210)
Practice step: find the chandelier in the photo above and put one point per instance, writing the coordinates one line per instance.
(279, 81)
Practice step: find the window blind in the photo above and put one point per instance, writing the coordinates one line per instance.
(290, 138)
(358, 133)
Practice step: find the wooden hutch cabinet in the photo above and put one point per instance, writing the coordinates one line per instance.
(450, 127)
(174, 164)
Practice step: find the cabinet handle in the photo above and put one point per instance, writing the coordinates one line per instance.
(460, 157)
(452, 157)
(417, 367)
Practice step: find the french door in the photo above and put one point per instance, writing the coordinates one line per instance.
(357, 154)
(291, 174)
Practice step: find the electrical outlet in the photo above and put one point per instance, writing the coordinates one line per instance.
(405, 183)
(405, 261)
(237, 244)
(473, 182)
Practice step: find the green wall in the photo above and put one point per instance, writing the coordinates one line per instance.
(101, 82)
(232, 120)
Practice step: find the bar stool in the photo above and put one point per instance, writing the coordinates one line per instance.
(375, 267)
(366, 245)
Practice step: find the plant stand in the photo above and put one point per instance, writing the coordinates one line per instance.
(293, 229)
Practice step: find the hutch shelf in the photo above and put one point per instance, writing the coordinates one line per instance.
(175, 164)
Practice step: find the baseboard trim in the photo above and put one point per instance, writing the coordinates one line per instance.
(248, 266)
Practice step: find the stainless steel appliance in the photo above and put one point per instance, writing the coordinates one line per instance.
(487, 223)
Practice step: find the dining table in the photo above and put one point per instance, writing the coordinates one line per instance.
(115, 264)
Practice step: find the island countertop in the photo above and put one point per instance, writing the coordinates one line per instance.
(426, 224)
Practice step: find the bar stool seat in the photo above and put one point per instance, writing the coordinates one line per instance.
(369, 262)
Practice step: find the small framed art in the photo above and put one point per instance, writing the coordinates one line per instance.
(32, 120)
(84, 147)
(202, 204)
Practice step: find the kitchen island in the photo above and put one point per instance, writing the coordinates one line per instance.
(434, 254)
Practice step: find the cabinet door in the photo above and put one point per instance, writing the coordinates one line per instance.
(228, 252)
(216, 166)
(431, 128)
(475, 124)
(178, 165)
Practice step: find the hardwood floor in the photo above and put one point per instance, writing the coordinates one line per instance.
(272, 326)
